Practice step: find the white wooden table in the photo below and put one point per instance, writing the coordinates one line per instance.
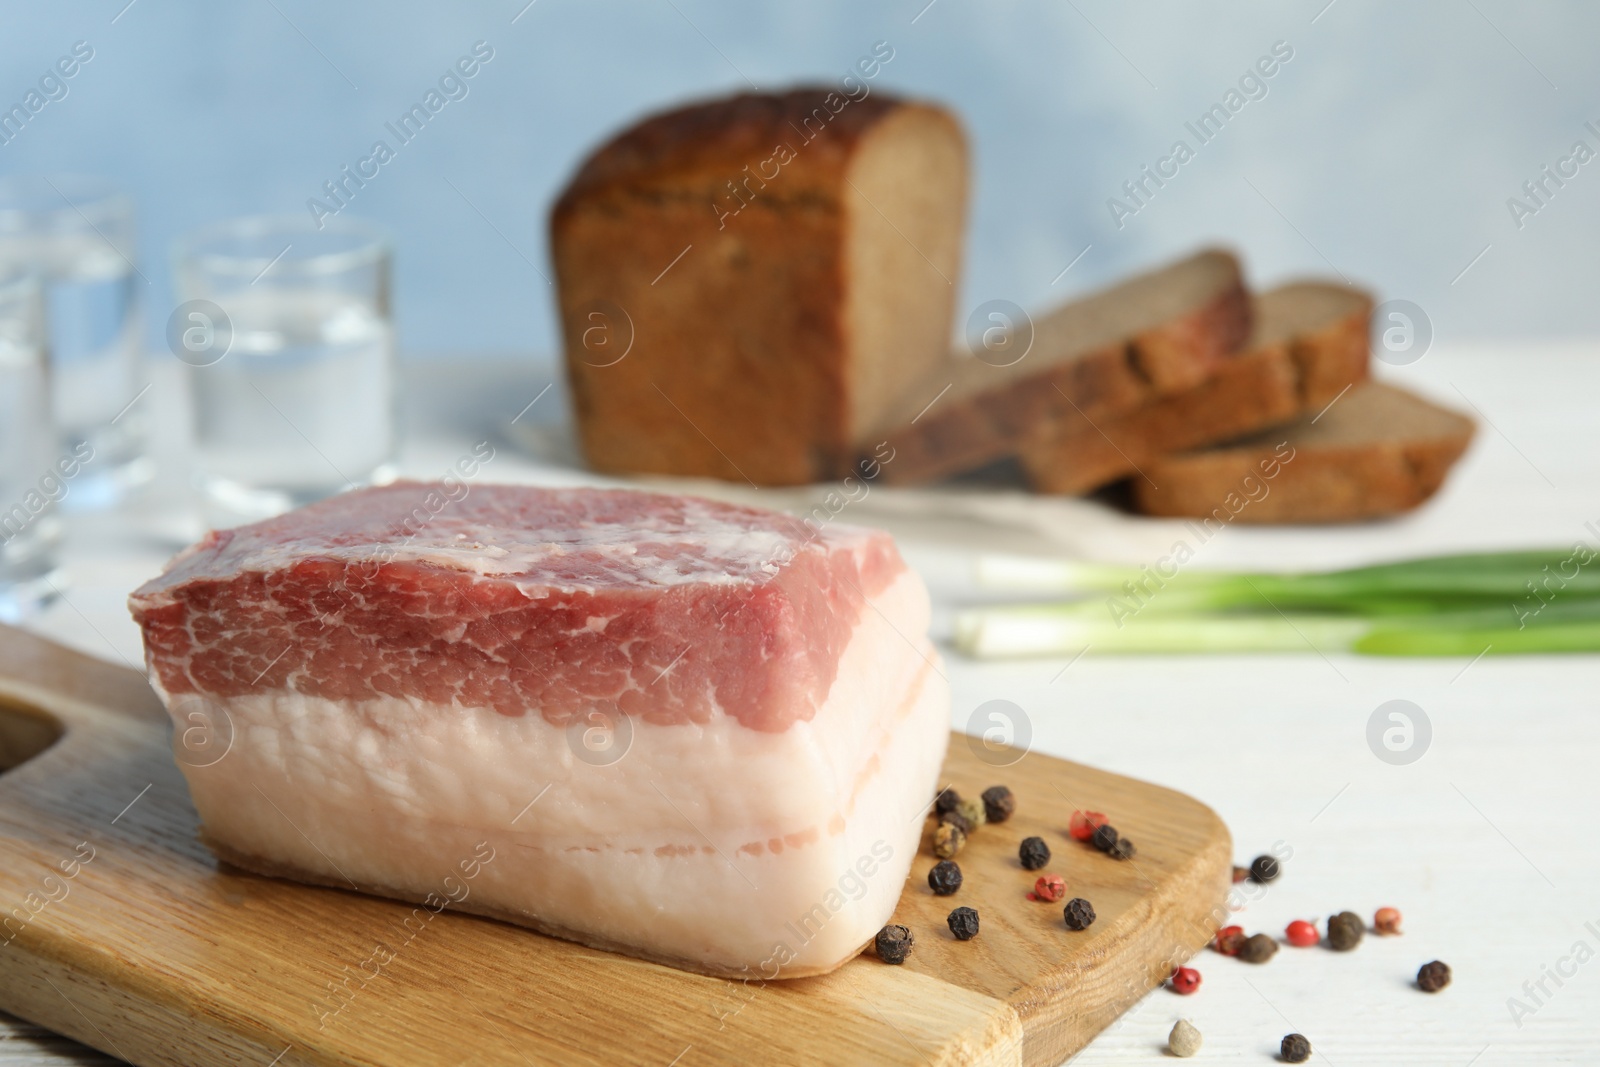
(1487, 843)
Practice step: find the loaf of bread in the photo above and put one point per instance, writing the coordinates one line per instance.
(1309, 343)
(1156, 334)
(1376, 451)
(746, 284)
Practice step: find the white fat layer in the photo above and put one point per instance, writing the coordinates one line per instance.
(667, 851)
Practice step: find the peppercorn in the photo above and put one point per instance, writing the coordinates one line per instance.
(998, 803)
(972, 811)
(945, 878)
(947, 840)
(1433, 976)
(1122, 850)
(1105, 837)
(1302, 934)
(1079, 914)
(1229, 940)
(1258, 948)
(1033, 853)
(1184, 1041)
(893, 943)
(1295, 1049)
(1240, 874)
(1264, 869)
(946, 801)
(1185, 980)
(1049, 888)
(964, 923)
(1387, 921)
(1084, 823)
(1345, 930)
(956, 819)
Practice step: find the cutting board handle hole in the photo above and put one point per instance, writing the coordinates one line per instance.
(24, 733)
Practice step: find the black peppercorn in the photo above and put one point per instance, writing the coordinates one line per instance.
(946, 801)
(998, 803)
(1345, 930)
(945, 878)
(1078, 913)
(1295, 1049)
(1105, 838)
(1264, 869)
(955, 818)
(1122, 850)
(1258, 948)
(894, 944)
(964, 923)
(1433, 976)
(1033, 853)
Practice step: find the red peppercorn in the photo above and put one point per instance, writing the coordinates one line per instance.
(1302, 934)
(1185, 980)
(1387, 921)
(1228, 940)
(1049, 888)
(1084, 824)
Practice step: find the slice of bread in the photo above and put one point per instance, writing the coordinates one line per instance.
(1156, 334)
(1377, 450)
(745, 284)
(1308, 345)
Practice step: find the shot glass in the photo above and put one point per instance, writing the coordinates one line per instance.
(285, 325)
(31, 486)
(77, 234)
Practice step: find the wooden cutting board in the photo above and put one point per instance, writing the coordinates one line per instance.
(125, 933)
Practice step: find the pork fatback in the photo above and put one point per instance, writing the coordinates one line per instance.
(694, 732)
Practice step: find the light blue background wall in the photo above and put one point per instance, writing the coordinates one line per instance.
(1386, 148)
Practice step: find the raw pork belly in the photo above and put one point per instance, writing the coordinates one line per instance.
(688, 731)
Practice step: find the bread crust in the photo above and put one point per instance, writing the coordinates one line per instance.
(1344, 473)
(986, 416)
(1275, 379)
(704, 310)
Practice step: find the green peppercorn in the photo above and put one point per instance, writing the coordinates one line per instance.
(998, 803)
(945, 878)
(972, 811)
(1295, 1049)
(946, 801)
(947, 840)
(1433, 976)
(1258, 948)
(1105, 838)
(1264, 869)
(1345, 930)
(894, 943)
(1122, 850)
(964, 923)
(1078, 914)
(1033, 853)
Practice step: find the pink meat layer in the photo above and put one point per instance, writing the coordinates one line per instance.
(556, 601)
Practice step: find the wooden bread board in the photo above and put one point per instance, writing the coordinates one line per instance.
(126, 934)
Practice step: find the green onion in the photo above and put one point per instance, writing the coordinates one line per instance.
(1539, 601)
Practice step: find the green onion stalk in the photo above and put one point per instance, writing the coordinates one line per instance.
(1501, 602)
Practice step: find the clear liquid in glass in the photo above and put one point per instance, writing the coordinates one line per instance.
(30, 488)
(300, 407)
(92, 321)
